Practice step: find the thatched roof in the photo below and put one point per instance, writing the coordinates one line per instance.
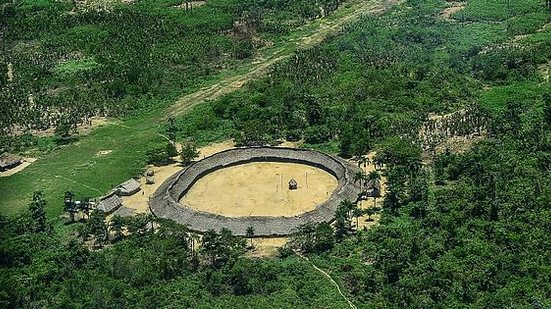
(129, 187)
(110, 203)
(124, 212)
(293, 184)
(8, 160)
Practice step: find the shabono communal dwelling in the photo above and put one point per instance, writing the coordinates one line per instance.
(9, 161)
(373, 188)
(293, 185)
(110, 203)
(128, 188)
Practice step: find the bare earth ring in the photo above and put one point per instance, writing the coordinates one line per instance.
(164, 203)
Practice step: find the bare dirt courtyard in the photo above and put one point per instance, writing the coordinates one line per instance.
(261, 189)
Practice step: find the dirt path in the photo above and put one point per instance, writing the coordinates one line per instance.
(455, 7)
(262, 64)
(330, 280)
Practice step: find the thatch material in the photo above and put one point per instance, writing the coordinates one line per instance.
(109, 203)
(164, 203)
(129, 187)
(8, 161)
(124, 212)
(293, 185)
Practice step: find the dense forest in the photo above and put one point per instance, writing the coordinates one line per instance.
(461, 229)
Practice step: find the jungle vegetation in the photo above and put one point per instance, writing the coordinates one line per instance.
(466, 229)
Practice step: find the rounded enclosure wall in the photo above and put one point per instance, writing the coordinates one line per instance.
(164, 203)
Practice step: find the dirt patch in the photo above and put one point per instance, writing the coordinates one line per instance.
(103, 153)
(455, 7)
(100, 5)
(10, 72)
(19, 168)
(190, 5)
(83, 129)
(140, 201)
(365, 222)
(265, 247)
(261, 189)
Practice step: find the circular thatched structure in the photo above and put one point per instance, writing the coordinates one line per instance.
(164, 203)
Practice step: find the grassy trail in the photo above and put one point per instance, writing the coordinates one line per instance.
(81, 167)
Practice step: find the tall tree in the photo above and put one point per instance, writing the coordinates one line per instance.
(38, 214)
(250, 234)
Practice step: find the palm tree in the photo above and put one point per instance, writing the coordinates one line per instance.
(374, 175)
(357, 213)
(359, 176)
(370, 212)
(364, 160)
(376, 178)
(250, 234)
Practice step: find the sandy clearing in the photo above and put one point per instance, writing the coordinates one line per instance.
(140, 200)
(10, 72)
(83, 129)
(265, 247)
(455, 7)
(19, 168)
(261, 189)
(103, 153)
(363, 222)
(192, 4)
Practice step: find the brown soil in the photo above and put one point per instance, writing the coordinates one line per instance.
(455, 7)
(261, 189)
(139, 201)
(83, 129)
(363, 221)
(10, 72)
(192, 4)
(19, 168)
(265, 247)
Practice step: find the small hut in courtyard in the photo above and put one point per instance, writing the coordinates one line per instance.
(129, 187)
(110, 203)
(9, 161)
(293, 185)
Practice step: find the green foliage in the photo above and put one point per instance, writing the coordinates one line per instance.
(38, 213)
(189, 152)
